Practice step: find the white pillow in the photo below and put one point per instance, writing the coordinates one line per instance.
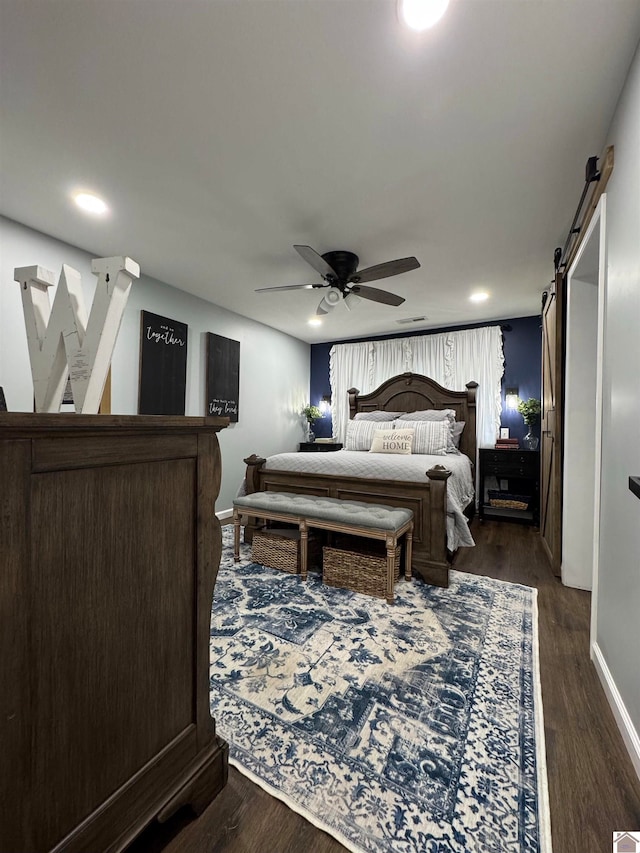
(392, 440)
(431, 437)
(360, 433)
(429, 415)
(376, 416)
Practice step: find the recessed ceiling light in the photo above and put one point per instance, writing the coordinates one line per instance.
(315, 321)
(421, 14)
(481, 296)
(90, 203)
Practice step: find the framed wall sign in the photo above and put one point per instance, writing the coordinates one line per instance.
(163, 365)
(223, 376)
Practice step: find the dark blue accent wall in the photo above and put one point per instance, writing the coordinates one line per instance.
(319, 385)
(522, 369)
(522, 365)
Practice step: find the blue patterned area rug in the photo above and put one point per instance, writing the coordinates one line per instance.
(408, 727)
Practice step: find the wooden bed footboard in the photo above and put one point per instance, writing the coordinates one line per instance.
(428, 500)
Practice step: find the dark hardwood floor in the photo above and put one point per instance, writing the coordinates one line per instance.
(593, 788)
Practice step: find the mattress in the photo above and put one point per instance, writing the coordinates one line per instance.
(391, 466)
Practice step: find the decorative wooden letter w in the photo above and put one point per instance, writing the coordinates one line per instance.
(62, 342)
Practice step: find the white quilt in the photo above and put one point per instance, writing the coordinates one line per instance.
(392, 466)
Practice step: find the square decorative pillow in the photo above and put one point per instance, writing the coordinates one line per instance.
(376, 416)
(392, 440)
(360, 433)
(431, 437)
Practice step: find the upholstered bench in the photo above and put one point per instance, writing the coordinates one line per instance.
(373, 521)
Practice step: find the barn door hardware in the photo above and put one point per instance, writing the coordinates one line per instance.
(593, 175)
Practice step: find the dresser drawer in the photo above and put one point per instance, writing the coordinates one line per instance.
(515, 463)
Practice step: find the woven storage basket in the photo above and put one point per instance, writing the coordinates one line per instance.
(359, 572)
(508, 501)
(280, 549)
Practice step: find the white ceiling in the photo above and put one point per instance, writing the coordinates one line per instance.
(222, 132)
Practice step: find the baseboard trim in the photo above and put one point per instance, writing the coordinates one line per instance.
(627, 729)
(572, 585)
(224, 514)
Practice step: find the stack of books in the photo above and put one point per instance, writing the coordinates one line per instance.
(507, 444)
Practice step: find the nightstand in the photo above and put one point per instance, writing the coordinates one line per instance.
(516, 495)
(318, 446)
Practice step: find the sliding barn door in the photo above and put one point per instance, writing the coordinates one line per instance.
(551, 437)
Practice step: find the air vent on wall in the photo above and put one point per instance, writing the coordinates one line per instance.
(408, 320)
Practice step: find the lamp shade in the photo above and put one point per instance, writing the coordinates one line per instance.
(329, 300)
(511, 398)
(351, 300)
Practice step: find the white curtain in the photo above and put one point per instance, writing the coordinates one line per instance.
(451, 358)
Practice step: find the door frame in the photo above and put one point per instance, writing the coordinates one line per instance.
(596, 231)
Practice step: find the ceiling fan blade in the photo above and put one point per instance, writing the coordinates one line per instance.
(377, 295)
(290, 287)
(316, 261)
(386, 270)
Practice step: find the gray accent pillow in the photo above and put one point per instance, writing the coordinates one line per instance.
(456, 432)
(429, 415)
(376, 416)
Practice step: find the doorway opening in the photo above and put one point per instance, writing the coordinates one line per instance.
(586, 292)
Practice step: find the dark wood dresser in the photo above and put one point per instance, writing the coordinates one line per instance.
(109, 550)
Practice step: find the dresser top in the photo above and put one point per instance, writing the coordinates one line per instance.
(27, 424)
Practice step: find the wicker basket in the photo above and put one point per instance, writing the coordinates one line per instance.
(280, 549)
(508, 501)
(359, 572)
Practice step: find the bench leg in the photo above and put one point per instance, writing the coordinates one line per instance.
(391, 554)
(304, 541)
(408, 553)
(236, 535)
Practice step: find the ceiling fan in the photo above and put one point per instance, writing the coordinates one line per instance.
(339, 271)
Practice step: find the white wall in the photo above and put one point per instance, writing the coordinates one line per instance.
(580, 430)
(618, 616)
(274, 368)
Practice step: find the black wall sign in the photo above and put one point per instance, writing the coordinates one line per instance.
(223, 376)
(163, 365)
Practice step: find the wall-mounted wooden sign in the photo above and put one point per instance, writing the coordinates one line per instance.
(223, 376)
(163, 365)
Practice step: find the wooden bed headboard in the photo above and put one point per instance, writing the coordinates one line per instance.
(411, 392)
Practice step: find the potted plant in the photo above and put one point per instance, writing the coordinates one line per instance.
(311, 414)
(530, 411)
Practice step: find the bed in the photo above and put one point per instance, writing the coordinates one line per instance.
(439, 494)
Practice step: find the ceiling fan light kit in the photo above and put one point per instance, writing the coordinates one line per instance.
(351, 300)
(329, 300)
(339, 271)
